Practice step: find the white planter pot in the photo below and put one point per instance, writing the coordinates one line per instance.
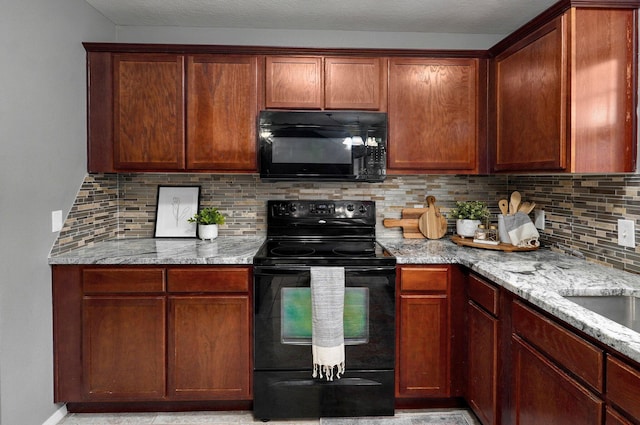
(207, 231)
(467, 228)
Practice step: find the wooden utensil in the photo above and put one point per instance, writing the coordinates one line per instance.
(409, 226)
(503, 204)
(408, 222)
(526, 207)
(432, 223)
(514, 203)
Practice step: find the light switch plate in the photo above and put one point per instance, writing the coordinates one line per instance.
(626, 233)
(538, 219)
(56, 221)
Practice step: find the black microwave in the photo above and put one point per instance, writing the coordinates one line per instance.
(323, 145)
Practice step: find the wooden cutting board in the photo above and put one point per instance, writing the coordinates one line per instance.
(432, 223)
(408, 222)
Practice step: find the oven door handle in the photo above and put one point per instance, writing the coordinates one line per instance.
(297, 269)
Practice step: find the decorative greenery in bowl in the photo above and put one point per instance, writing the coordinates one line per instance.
(470, 210)
(208, 215)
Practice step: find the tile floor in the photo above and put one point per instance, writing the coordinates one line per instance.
(402, 417)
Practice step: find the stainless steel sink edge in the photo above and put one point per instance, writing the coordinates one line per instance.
(622, 309)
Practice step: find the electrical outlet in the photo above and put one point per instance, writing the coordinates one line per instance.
(56, 221)
(626, 233)
(538, 219)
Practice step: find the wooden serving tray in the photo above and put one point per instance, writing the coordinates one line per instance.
(506, 247)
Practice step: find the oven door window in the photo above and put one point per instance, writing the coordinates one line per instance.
(296, 316)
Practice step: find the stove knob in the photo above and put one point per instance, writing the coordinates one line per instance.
(362, 209)
(293, 208)
(350, 207)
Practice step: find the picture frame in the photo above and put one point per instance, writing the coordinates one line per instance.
(176, 204)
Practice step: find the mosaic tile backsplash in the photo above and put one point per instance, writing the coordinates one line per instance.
(581, 210)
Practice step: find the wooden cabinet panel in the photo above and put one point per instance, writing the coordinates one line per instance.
(209, 340)
(565, 95)
(430, 278)
(294, 82)
(603, 90)
(124, 348)
(125, 280)
(211, 280)
(484, 294)
(222, 107)
(120, 337)
(614, 418)
(570, 351)
(482, 364)
(148, 111)
(623, 386)
(433, 114)
(354, 83)
(531, 90)
(543, 394)
(423, 353)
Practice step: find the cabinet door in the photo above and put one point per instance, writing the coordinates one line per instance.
(433, 108)
(222, 105)
(294, 82)
(543, 394)
(531, 102)
(423, 347)
(124, 347)
(353, 83)
(209, 340)
(482, 363)
(604, 123)
(148, 112)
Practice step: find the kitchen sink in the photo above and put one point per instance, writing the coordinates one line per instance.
(623, 309)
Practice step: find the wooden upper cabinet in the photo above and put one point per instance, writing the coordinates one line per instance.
(354, 83)
(148, 114)
(222, 107)
(433, 115)
(531, 111)
(565, 95)
(316, 82)
(294, 82)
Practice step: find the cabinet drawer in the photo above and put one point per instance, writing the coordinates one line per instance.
(623, 382)
(424, 278)
(568, 350)
(483, 294)
(124, 280)
(210, 279)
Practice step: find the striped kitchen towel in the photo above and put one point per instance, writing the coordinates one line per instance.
(327, 328)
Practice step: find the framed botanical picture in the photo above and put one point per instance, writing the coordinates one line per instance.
(176, 205)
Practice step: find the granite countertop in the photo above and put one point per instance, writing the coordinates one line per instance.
(222, 250)
(542, 277)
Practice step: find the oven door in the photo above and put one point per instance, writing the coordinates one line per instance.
(283, 382)
(282, 318)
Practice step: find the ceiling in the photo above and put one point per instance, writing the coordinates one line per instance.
(420, 16)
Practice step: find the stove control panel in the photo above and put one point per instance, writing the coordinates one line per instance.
(329, 209)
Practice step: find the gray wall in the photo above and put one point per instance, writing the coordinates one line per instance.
(42, 164)
(299, 38)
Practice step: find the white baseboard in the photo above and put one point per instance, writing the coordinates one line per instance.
(57, 416)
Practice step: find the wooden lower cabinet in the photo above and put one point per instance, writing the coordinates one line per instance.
(123, 347)
(209, 357)
(482, 366)
(623, 390)
(152, 334)
(483, 330)
(544, 394)
(423, 365)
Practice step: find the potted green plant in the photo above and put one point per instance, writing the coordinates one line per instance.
(468, 215)
(208, 220)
